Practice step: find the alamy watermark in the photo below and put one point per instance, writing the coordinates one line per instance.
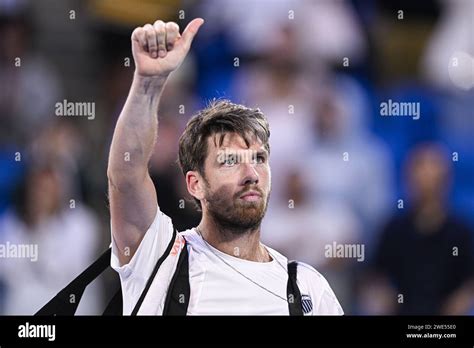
(346, 251)
(19, 251)
(393, 108)
(28, 330)
(67, 108)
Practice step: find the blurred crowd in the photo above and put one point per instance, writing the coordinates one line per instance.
(342, 174)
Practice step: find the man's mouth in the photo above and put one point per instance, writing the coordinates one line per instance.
(251, 196)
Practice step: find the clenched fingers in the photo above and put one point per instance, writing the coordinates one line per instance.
(172, 34)
(160, 30)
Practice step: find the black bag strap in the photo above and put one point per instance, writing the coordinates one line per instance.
(67, 300)
(153, 274)
(179, 292)
(293, 293)
(115, 306)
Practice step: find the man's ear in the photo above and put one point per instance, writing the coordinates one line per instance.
(195, 184)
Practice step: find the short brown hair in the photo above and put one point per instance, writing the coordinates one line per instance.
(220, 116)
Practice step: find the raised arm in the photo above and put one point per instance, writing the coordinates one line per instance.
(158, 50)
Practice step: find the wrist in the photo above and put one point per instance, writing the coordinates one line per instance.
(145, 83)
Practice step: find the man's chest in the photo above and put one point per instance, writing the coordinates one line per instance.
(222, 289)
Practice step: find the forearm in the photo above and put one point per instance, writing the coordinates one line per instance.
(136, 130)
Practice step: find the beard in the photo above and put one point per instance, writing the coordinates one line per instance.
(233, 214)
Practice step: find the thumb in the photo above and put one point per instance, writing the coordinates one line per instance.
(191, 30)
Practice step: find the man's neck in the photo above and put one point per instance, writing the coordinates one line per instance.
(242, 244)
(430, 215)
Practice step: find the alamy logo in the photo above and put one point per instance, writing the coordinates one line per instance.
(67, 108)
(19, 251)
(37, 331)
(335, 250)
(393, 108)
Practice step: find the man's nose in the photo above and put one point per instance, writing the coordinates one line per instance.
(250, 174)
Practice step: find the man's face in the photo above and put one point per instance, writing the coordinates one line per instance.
(238, 182)
(428, 174)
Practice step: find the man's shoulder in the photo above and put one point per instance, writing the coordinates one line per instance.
(311, 281)
(190, 235)
(314, 285)
(310, 275)
(193, 239)
(306, 274)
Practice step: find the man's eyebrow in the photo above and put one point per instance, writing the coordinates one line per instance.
(232, 151)
(225, 150)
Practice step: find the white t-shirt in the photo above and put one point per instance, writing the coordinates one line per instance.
(220, 284)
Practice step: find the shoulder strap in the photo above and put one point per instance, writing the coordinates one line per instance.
(115, 306)
(177, 297)
(293, 293)
(67, 300)
(153, 274)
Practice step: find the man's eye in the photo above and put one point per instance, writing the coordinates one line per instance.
(258, 159)
(230, 161)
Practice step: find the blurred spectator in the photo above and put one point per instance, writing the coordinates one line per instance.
(346, 162)
(424, 262)
(334, 30)
(452, 38)
(312, 34)
(65, 234)
(448, 65)
(30, 87)
(302, 227)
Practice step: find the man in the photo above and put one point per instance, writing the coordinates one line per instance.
(223, 154)
(424, 261)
